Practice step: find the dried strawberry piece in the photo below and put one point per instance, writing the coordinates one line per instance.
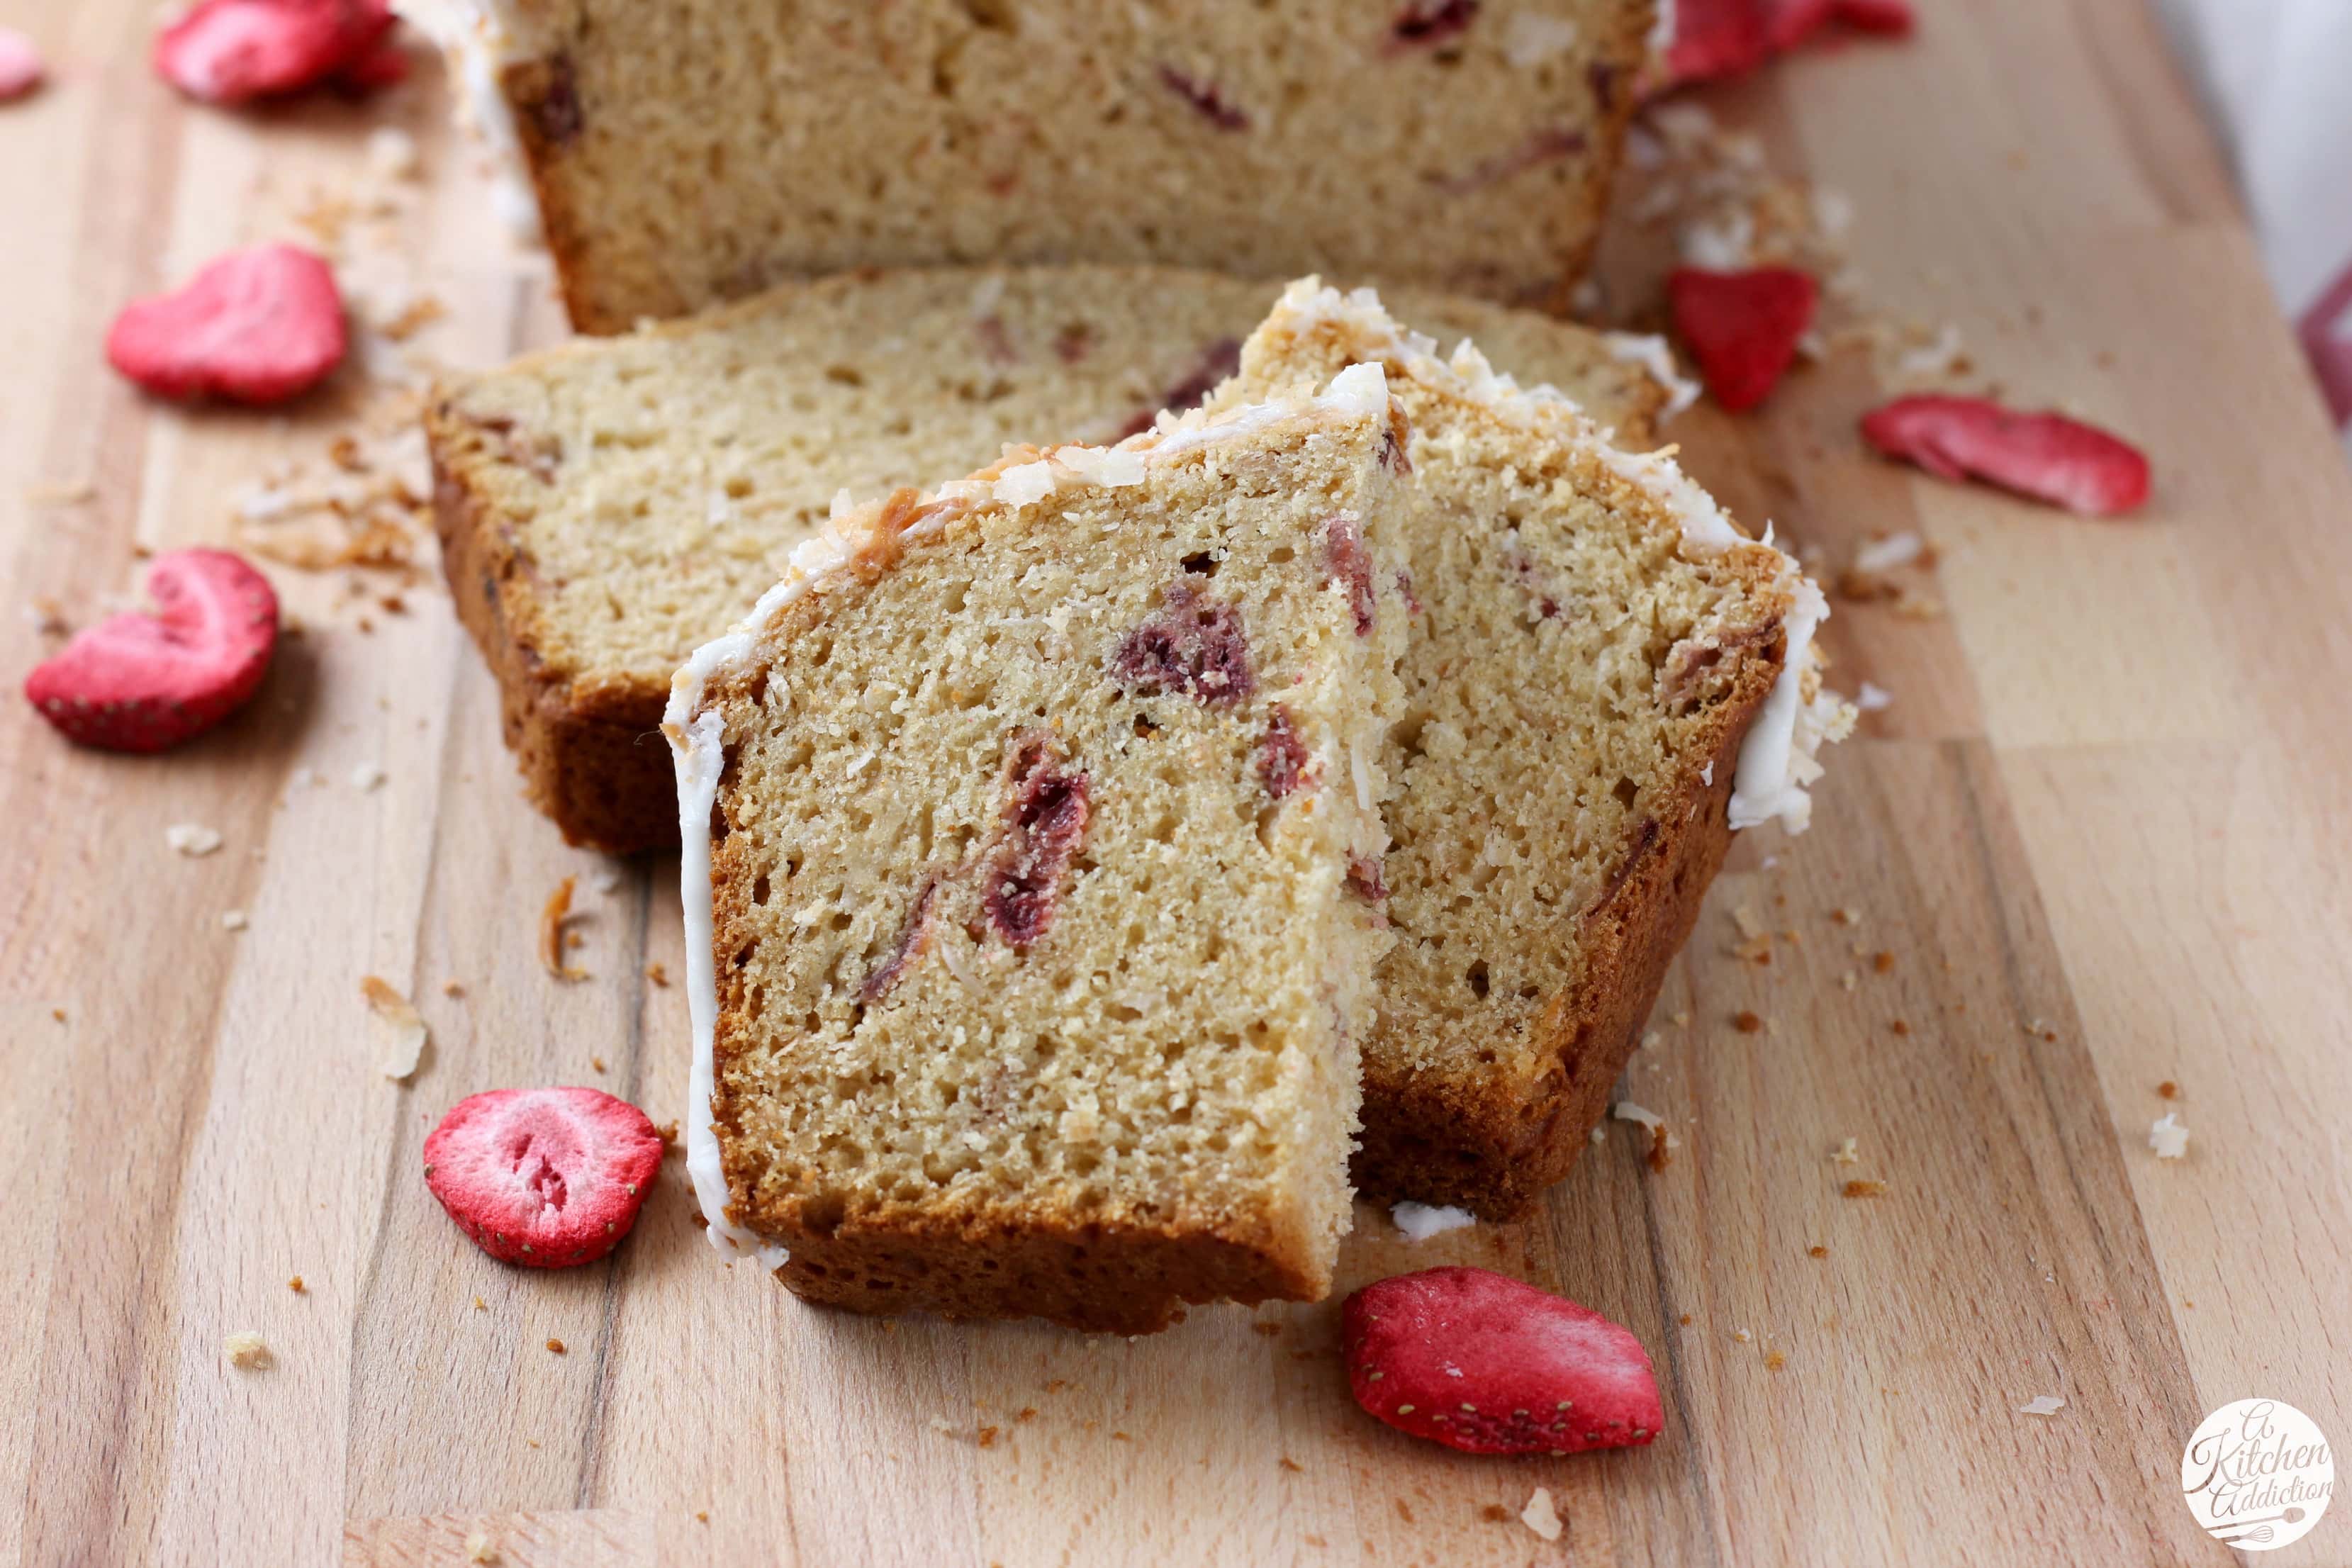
(1282, 757)
(385, 65)
(1789, 22)
(1479, 1362)
(1742, 327)
(143, 683)
(256, 325)
(1889, 18)
(1205, 96)
(1044, 824)
(544, 1177)
(2045, 456)
(1716, 38)
(233, 51)
(21, 65)
(1350, 565)
(1193, 645)
(1424, 24)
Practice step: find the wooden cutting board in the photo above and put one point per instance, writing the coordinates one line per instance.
(2102, 834)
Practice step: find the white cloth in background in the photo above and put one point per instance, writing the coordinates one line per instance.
(2274, 74)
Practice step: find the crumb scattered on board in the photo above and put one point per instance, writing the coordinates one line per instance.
(233, 919)
(1661, 1143)
(480, 1549)
(1540, 1516)
(1864, 1188)
(2042, 1404)
(2168, 1138)
(191, 838)
(247, 1351)
(1847, 1153)
(551, 916)
(405, 1047)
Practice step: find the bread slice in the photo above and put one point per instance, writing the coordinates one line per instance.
(1025, 834)
(1606, 679)
(607, 507)
(685, 153)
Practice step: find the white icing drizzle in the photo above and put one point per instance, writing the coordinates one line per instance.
(1778, 757)
(1652, 354)
(477, 39)
(698, 737)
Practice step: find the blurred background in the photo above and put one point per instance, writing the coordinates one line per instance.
(2272, 74)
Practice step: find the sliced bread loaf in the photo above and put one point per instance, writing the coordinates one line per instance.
(607, 506)
(1027, 826)
(685, 153)
(1606, 679)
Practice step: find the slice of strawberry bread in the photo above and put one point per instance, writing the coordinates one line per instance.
(688, 152)
(1605, 678)
(1031, 829)
(607, 507)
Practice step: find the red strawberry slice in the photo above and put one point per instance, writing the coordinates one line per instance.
(142, 683)
(231, 51)
(1890, 18)
(1716, 38)
(1481, 1362)
(1742, 327)
(1789, 22)
(256, 325)
(2045, 456)
(386, 65)
(21, 67)
(544, 1177)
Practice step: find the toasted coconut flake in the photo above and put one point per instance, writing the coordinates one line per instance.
(405, 1046)
(551, 916)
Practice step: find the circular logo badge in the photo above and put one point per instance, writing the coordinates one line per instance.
(2257, 1474)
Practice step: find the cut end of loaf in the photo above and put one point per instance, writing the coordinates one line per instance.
(1028, 809)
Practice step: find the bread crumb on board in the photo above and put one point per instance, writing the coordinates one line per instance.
(551, 916)
(405, 1047)
(2168, 1138)
(1540, 1516)
(2042, 1404)
(1864, 1188)
(248, 1351)
(480, 1548)
(191, 838)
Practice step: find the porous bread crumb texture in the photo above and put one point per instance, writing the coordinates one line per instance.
(687, 153)
(1575, 698)
(1039, 967)
(607, 507)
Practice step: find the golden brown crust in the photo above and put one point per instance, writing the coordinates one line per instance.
(1104, 1278)
(1493, 1148)
(594, 762)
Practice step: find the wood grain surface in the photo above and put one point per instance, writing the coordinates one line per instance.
(2102, 832)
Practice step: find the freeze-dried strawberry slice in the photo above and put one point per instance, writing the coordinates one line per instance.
(544, 1177)
(256, 325)
(1717, 38)
(385, 65)
(21, 67)
(1481, 1362)
(1742, 327)
(141, 683)
(231, 51)
(2045, 456)
(1789, 22)
(1891, 18)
